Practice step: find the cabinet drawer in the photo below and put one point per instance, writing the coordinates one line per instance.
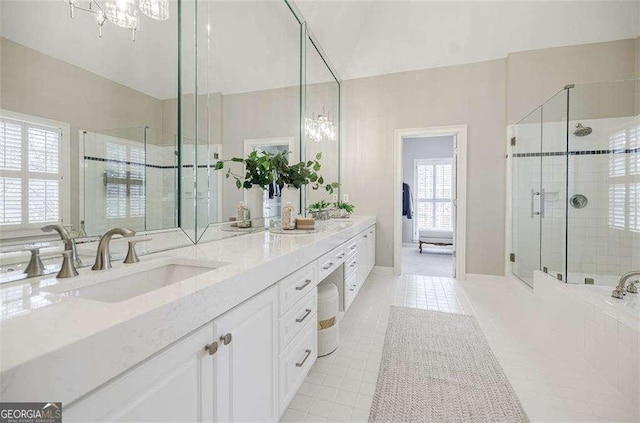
(297, 285)
(351, 265)
(296, 361)
(352, 248)
(350, 289)
(330, 261)
(297, 317)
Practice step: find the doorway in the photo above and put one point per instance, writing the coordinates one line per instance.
(430, 188)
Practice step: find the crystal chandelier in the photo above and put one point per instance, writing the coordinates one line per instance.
(321, 128)
(122, 13)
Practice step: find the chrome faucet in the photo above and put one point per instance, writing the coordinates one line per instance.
(69, 242)
(619, 291)
(103, 258)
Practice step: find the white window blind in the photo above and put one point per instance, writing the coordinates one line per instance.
(433, 182)
(125, 181)
(30, 177)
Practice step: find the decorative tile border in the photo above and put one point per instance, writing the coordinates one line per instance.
(130, 163)
(579, 153)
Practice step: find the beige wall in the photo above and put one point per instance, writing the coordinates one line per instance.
(483, 95)
(536, 75)
(40, 85)
(471, 94)
(258, 114)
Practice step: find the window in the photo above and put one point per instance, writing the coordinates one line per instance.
(624, 179)
(124, 181)
(31, 172)
(434, 185)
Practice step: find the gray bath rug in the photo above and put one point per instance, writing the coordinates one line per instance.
(438, 367)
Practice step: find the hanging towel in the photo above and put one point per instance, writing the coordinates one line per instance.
(407, 201)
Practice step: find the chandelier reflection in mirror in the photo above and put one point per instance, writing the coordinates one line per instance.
(122, 13)
(321, 128)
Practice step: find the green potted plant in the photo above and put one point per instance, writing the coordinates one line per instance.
(258, 175)
(343, 209)
(320, 210)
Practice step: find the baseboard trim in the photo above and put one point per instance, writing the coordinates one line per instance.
(382, 270)
(477, 277)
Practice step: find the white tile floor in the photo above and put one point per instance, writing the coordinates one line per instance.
(551, 384)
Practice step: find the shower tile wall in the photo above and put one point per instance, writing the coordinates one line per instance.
(604, 236)
(158, 167)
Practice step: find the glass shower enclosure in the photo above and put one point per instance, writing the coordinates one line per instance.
(575, 185)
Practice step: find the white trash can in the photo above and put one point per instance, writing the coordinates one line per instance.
(328, 332)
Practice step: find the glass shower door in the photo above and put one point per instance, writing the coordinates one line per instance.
(553, 192)
(526, 168)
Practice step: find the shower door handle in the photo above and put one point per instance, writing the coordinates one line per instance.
(533, 194)
(542, 203)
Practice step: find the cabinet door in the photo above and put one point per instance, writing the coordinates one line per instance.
(246, 367)
(372, 248)
(363, 258)
(176, 385)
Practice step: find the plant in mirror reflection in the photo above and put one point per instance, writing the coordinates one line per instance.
(263, 169)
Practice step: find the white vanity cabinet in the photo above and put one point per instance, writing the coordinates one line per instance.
(176, 385)
(246, 363)
(360, 261)
(234, 379)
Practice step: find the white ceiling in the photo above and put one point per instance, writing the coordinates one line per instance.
(365, 38)
(254, 44)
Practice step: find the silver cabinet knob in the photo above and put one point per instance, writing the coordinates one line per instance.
(226, 339)
(211, 348)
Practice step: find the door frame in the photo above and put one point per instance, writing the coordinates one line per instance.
(459, 132)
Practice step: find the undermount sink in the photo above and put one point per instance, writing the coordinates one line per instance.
(119, 287)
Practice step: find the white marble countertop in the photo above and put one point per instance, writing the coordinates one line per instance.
(61, 347)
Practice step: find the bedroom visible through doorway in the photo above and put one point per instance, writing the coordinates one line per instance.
(428, 210)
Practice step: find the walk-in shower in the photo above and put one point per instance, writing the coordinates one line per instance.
(575, 185)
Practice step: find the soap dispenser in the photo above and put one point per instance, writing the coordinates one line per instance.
(243, 216)
(288, 217)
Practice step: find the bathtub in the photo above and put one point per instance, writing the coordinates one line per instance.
(602, 329)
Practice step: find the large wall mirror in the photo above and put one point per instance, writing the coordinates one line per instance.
(248, 87)
(88, 119)
(114, 114)
(322, 121)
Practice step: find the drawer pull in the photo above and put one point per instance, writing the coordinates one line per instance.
(304, 285)
(365, 235)
(226, 339)
(307, 353)
(307, 312)
(327, 266)
(353, 247)
(340, 255)
(353, 264)
(211, 348)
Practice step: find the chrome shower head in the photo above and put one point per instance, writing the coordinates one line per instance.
(582, 131)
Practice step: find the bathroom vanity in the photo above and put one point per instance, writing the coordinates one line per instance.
(229, 336)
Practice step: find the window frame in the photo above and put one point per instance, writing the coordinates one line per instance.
(434, 200)
(24, 230)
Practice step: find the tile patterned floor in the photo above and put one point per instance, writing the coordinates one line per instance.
(552, 385)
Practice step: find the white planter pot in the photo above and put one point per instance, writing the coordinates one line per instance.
(254, 198)
(290, 195)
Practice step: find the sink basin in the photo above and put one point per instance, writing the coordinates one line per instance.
(119, 287)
